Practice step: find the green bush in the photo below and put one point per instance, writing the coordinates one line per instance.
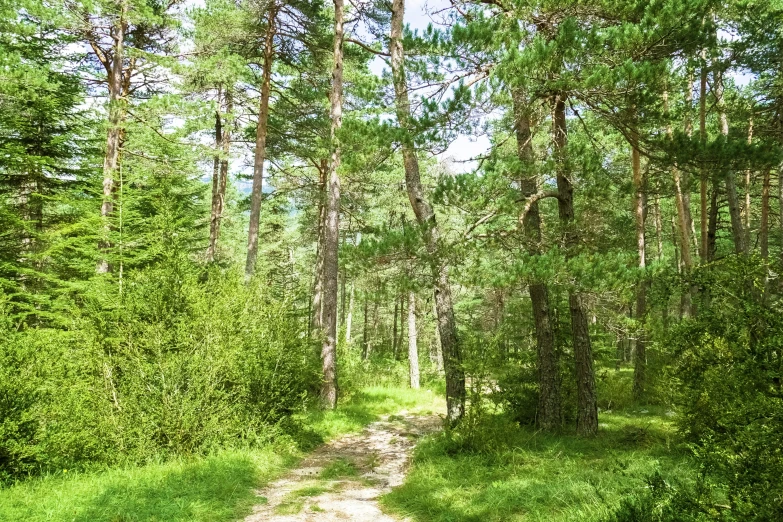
(662, 501)
(728, 375)
(176, 366)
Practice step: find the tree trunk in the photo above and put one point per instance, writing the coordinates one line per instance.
(260, 152)
(438, 346)
(549, 405)
(111, 160)
(413, 348)
(587, 409)
(747, 192)
(682, 202)
(343, 296)
(226, 143)
(402, 313)
(712, 230)
(332, 228)
(737, 232)
(375, 307)
(349, 317)
(213, 216)
(365, 331)
(780, 207)
(705, 251)
(639, 368)
(764, 226)
(455, 375)
(658, 226)
(685, 294)
(318, 285)
(395, 345)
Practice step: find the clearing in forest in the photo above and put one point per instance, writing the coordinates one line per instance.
(343, 479)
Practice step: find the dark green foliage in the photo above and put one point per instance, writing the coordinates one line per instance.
(729, 372)
(666, 502)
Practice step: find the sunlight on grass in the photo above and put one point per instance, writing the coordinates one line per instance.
(217, 488)
(508, 473)
(338, 469)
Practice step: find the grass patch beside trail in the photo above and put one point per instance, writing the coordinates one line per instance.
(216, 488)
(499, 472)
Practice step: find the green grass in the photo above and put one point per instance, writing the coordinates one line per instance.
(500, 472)
(217, 488)
(338, 469)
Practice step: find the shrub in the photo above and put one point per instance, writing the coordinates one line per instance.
(662, 501)
(728, 374)
(174, 367)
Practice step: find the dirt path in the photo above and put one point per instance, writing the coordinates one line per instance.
(342, 480)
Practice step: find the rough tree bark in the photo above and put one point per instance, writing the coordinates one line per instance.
(455, 375)
(215, 181)
(748, 180)
(111, 160)
(587, 408)
(366, 331)
(737, 230)
(220, 173)
(780, 206)
(349, 316)
(332, 225)
(712, 226)
(318, 285)
(395, 345)
(438, 346)
(260, 152)
(764, 225)
(705, 250)
(640, 359)
(549, 405)
(682, 202)
(413, 347)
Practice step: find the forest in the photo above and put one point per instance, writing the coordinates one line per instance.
(378, 260)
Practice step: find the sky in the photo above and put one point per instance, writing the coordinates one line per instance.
(462, 150)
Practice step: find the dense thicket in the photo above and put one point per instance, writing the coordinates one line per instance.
(212, 216)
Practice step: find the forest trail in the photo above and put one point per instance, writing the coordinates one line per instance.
(343, 479)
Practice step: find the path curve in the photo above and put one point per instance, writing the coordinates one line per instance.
(343, 479)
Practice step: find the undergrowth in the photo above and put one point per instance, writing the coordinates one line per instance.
(215, 488)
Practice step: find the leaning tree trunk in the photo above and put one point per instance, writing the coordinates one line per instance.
(260, 152)
(438, 345)
(764, 225)
(640, 359)
(549, 406)
(705, 247)
(111, 160)
(226, 142)
(712, 226)
(455, 375)
(219, 174)
(413, 347)
(213, 233)
(737, 230)
(366, 329)
(318, 284)
(748, 184)
(332, 225)
(682, 203)
(395, 345)
(587, 409)
(349, 317)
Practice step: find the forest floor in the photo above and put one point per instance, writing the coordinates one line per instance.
(343, 480)
(225, 486)
(494, 470)
(358, 463)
